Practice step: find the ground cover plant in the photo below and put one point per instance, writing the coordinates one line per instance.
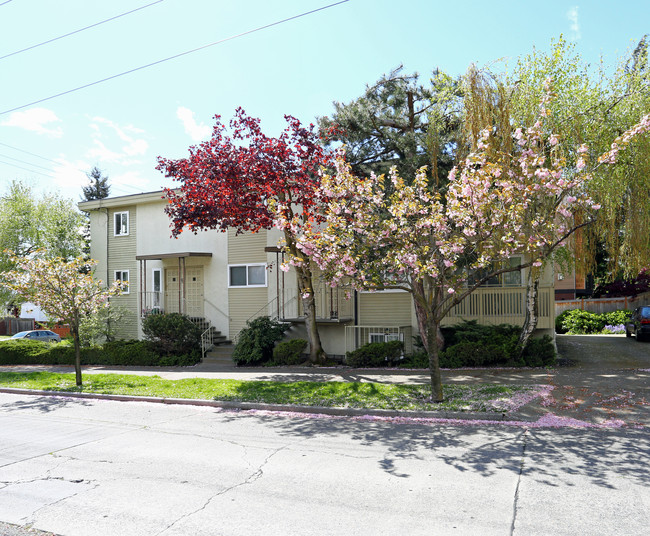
(478, 398)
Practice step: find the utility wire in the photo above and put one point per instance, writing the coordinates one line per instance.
(26, 169)
(3, 3)
(24, 162)
(27, 152)
(175, 56)
(123, 187)
(79, 30)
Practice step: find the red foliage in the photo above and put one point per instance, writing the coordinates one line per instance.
(226, 181)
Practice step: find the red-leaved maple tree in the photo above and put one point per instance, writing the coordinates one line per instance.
(243, 179)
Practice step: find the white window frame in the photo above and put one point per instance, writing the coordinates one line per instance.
(115, 226)
(121, 278)
(153, 287)
(247, 266)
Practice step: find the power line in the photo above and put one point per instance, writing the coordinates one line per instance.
(174, 57)
(27, 152)
(123, 187)
(79, 30)
(6, 2)
(26, 169)
(24, 162)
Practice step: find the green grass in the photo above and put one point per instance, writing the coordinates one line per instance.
(483, 398)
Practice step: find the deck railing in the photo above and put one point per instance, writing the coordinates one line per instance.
(503, 306)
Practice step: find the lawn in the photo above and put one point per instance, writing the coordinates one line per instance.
(477, 398)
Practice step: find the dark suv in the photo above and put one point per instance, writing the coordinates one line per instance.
(639, 323)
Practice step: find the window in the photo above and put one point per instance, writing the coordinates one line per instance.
(123, 275)
(121, 224)
(247, 275)
(157, 287)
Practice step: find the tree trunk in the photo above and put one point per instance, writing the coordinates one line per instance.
(431, 339)
(530, 322)
(305, 287)
(77, 354)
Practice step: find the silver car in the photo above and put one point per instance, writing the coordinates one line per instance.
(44, 335)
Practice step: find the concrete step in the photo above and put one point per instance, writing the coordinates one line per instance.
(220, 355)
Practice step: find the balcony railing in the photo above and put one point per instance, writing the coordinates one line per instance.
(502, 306)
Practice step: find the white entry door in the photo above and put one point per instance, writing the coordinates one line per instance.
(193, 287)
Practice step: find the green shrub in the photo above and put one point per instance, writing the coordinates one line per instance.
(470, 344)
(474, 354)
(615, 318)
(25, 352)
(539, 352)
(375, 354)
(418, 359)
(579, 322)
(172, 333)
(256, 341)
(289, 352)
(117, 353)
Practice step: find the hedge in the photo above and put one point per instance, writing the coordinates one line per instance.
(579, 322)
(116, 353)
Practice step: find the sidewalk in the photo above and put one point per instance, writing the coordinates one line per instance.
(609, 380)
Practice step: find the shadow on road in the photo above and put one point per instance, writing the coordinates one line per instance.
(552, 456)
(43, 404)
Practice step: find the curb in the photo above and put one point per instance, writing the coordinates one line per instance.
(338, 412)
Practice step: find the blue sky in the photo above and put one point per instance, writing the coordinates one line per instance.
(297, 67)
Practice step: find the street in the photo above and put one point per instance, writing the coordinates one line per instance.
(93, 467)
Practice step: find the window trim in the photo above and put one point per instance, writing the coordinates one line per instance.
(121, 278)
(247, 266)
(128, 223)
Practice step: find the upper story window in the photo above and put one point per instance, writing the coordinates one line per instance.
(121, 223)
(247, 275)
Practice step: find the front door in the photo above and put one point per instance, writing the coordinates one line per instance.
(192, 305)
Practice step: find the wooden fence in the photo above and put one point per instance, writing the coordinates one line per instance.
(603, 305)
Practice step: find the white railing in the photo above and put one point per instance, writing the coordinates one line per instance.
(502, 306)
(357, 336)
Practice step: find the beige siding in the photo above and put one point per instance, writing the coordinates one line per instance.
(121, 255)
(385, 309)
(246, 247)
(244, 303)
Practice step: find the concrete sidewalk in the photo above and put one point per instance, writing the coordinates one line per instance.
(608, 379)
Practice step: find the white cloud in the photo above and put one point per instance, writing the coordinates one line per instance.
(102, 153)
(69, 177)
(35, 120)
(134, 145)
(572, 15)
(197, 132)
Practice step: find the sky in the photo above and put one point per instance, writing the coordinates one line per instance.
(258, 60)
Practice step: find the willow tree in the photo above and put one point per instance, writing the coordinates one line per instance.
(589, 108)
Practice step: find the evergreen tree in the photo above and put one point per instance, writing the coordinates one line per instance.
(98, 187)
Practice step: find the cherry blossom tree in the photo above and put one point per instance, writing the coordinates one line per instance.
(64, 290)
(249, 181)
(497, 204)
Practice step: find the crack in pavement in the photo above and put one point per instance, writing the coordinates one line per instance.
(515, 503)
(256, 475)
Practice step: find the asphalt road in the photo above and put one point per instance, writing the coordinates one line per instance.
(89, 467)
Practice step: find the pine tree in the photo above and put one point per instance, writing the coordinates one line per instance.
(98, 187)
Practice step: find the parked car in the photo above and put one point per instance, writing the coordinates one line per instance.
(639, 323)
(44, 335)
